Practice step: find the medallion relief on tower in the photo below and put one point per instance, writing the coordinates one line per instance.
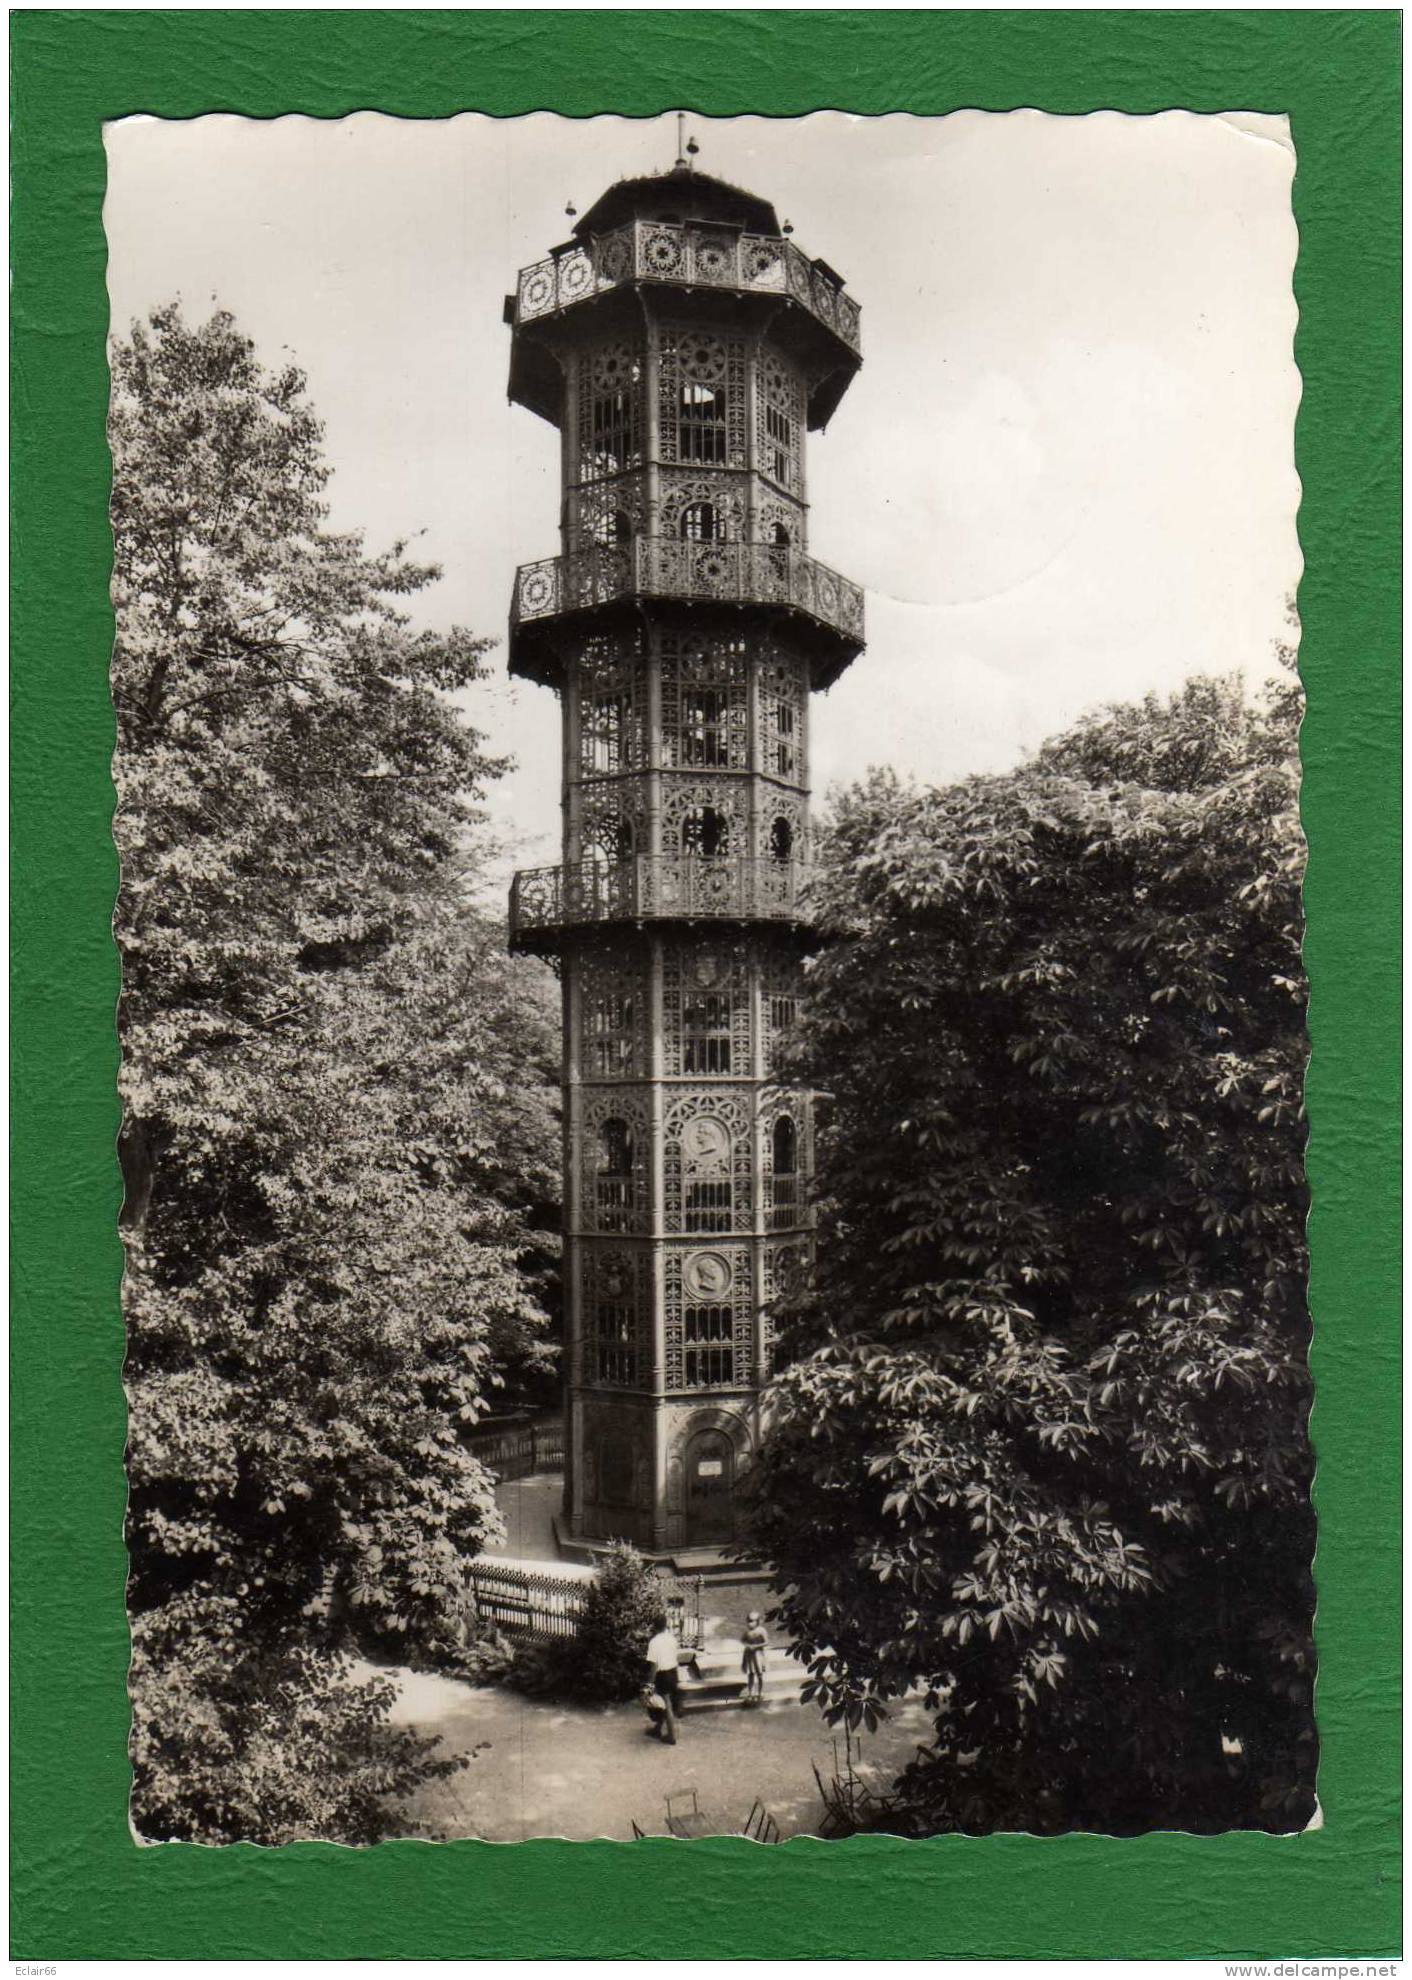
(708, 1165)
(709, 1319)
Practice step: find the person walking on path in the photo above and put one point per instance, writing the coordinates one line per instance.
(664, 1654)
(753, 1660)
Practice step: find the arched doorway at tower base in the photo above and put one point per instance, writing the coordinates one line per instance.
(705, 1467)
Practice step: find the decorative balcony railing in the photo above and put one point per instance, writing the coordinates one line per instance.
(672, 886)
(667, 567)
(654, 251)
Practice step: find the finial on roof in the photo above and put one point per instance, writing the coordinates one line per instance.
(788, 227)
(572, 210)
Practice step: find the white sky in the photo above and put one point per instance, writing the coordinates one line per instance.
(1065, 473)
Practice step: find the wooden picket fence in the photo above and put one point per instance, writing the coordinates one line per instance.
(547, 1604)
(544, 1606)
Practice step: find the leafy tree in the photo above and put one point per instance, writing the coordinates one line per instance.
(1042, 1449)
(335, 1124)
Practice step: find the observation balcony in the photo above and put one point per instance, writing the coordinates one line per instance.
(690, 256)
(546, 900)
(765, 279)
(829, 607)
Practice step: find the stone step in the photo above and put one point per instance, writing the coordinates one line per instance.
(718, 1679)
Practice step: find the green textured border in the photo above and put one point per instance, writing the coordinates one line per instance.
(81, 1887)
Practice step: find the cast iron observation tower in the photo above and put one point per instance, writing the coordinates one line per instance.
(682, 345)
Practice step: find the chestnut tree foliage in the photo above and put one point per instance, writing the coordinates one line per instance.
(339, 1146)
(1041, 1444)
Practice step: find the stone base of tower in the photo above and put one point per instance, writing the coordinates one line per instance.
(659, 1473)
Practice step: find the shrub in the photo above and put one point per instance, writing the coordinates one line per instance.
(624, 1607)
(604, 1663)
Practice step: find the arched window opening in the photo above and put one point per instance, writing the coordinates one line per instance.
(779, 535)
(785, 1194)
(782, 841)
(609, 841)
(701, 411)
(705, 833)
(615, 1175)
(703, 522)
(613, 531)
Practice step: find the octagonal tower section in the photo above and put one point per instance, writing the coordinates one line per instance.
(683, 345)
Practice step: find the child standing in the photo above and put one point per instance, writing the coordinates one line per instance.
(753, 1661)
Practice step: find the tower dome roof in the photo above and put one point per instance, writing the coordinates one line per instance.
(679, 195)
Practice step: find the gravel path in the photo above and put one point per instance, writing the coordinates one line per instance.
(579, 1772)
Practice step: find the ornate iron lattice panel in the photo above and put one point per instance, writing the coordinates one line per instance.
(595, 891)
(706, 1010)
(611, 819)
(612, 1002)
(613, 1162)
(708, 1319)
(784, 716)
(781, 988)
(658, 251)
(708, 1162)
(610, 681)
(787, 1148)
(782, 822)
(684, 495)
(782, 524)
(611, 410)
(664, 567)
(700, 394)
(704, 701)
(615, 1316)
(785, 1267)
(607, 515)
(779, 421)
(705, 817)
